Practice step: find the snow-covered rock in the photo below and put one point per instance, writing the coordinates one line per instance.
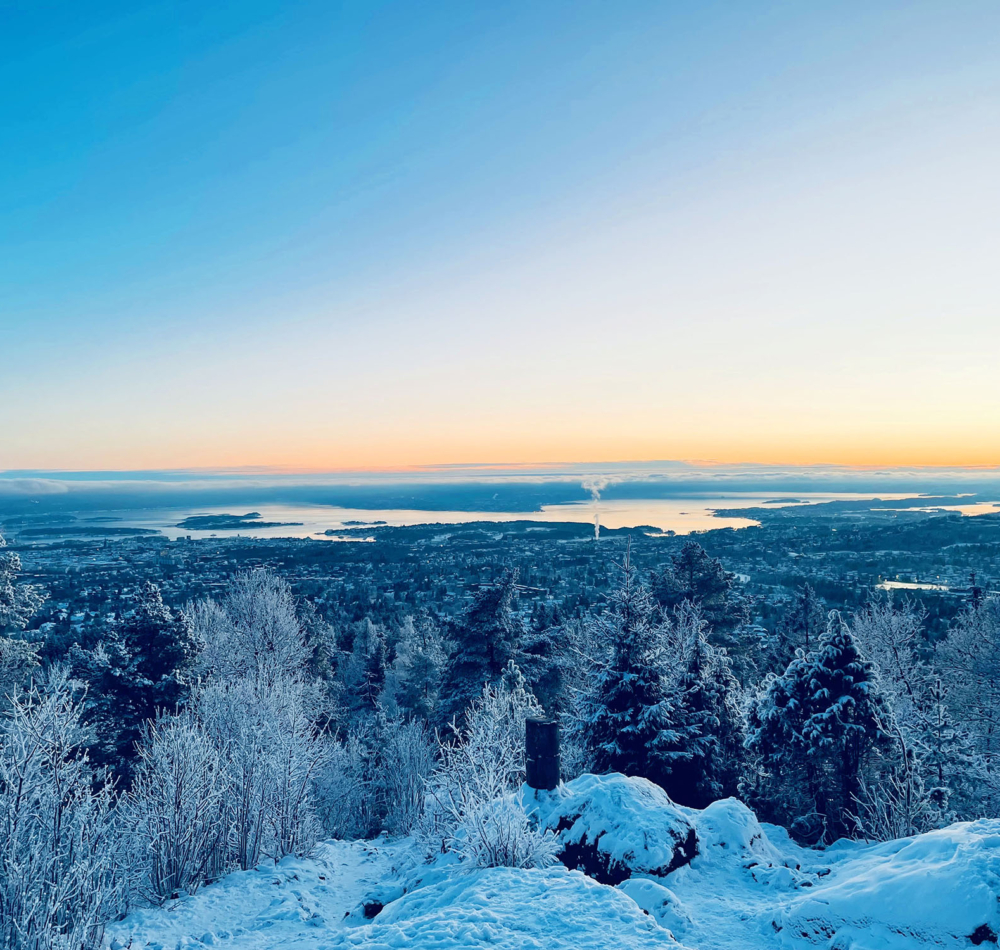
(659, 902)
(613, 826)
(731, 839)
(728, 831)
(510, 909)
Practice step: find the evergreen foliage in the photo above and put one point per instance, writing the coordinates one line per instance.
(704, 760)
(485, 640)
(696, 577)
(813, 728)
(18, 601)
(801, 625)
(143, 666)
(414, 681)
(625, 716)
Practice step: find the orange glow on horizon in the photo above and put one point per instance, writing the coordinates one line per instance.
(863, 456)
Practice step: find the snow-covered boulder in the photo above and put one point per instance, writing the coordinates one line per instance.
(730, 831)
(659, 902)
(731, 839)
(612, 826)
(511, 909)
(938, 889)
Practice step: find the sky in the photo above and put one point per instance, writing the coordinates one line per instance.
(348, 236)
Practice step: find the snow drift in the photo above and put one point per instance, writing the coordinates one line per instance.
(938, 889)
(510, 909)
(714, 879)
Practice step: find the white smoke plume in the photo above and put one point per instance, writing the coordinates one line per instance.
(596, 484)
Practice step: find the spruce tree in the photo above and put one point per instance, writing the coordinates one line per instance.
(801, 625)
(694, 576)
(704, 757)
(625, 716)
(486, 639)
(143, 666)
(363, 670)
(415, 677)
(813, 728)
(548, 661)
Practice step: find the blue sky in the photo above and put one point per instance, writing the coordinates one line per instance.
(329, 235)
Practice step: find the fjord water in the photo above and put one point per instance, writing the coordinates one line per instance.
(679, 515)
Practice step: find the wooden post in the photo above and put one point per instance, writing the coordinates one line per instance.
(541, 747)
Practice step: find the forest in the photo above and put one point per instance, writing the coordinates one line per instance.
(182, 743)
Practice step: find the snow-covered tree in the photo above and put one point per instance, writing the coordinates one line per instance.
(270, 752)
(18, 601)
(693, 576)
(254, 632)
(889, 633)
(549, 661)
(374, 779)
(414, 680)
(949, 763)
(969, 664)
(501, 834)
(913, 790)
(18, 660)
(362, 672)
(60, 879)
(485, 639)
(800, 625)
(347, 784)
(143, 665)
(624, 717)
(813, 729)
(703, 757)
(407, 758)
(482, 759)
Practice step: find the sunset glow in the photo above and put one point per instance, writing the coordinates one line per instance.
(460, 236)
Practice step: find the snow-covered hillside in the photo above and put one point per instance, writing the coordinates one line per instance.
(710, 879)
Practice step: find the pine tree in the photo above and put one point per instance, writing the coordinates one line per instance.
(813, 728)
(142, 667)
(696, 577)
(486, 639)
(801, 625)
(625, 715)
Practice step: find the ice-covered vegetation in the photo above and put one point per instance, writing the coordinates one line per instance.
(191, 755)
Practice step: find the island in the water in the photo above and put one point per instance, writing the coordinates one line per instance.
(232, 522)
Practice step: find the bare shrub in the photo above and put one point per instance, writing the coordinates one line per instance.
(176, 808)
(59, 875)
(500, 834)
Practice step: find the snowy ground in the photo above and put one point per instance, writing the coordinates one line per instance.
(748, 888)
(299, 903)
